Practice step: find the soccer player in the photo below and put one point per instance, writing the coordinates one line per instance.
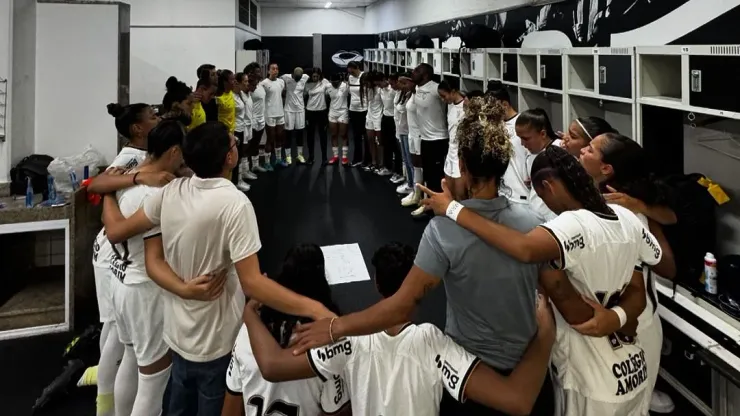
(303, 272)
(357, 113)
(295, 112)
(338, 119)
(405, 369)
(275, 114)
(455, 112)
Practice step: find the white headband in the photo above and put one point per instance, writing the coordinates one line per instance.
(584, 130)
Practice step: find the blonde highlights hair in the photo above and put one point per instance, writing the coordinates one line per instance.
(482, 135)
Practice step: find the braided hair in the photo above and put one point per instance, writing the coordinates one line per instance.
(556, 162)
(484, 143)
(404, 95)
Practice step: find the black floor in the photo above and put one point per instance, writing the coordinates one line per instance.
(326, 206)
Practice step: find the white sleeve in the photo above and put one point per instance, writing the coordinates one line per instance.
(570, 237)
(153, 206)
(234, 376)
(329, 361)
(243, 238)
(334, 395)
(123, 160)
(650, 250)
(156, 230)
(453, 363)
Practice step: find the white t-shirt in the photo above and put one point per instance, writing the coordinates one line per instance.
(273, 97)
(515, 186)
(354, 94)
(535, 202)
(401, 120)
(128, 158)
(127, 264)
(431, 112)
(201, 236)
(411, 117)
(258, 104)
(241, 112)
(294, 93)
(599, 254)
(300, 397)
(455, 113)
(388, 96)
(248, 108)
(317, 95)
(374, 102)
(404, 374)
(337, 99)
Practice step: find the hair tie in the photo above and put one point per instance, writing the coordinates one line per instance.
(584, 130)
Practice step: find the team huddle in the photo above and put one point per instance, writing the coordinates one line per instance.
(551, 304)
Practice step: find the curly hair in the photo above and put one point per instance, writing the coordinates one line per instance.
(484, 144)
(392, 263)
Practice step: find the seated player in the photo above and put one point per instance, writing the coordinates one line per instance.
(405, 369)
(303, 272)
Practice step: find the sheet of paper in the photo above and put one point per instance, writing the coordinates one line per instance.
(344, 264)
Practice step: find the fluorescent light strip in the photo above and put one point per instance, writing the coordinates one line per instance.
(327, 5)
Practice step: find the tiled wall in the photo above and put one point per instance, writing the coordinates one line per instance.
(49, 248)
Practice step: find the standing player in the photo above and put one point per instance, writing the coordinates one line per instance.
(295, 112)
(455, 112)
(602, 248)
(258, 141)
(275, 114)
(357, 114)
(247, 390)
(405, 369)
(338, 119)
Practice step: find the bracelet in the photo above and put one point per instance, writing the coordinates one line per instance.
(622, 315)
(453, 210)
(135, 176)
(331, 324)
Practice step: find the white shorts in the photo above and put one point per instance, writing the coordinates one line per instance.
(373, 125)
(103, 278)
(415, 145)
(572, 403)
(340, 118)
(140, 319)
(452, 166)
(258, 125)
(651, 340)
(295, 121)
(275, 121)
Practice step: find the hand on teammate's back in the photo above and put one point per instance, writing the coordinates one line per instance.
(312, 335)
(619, 198)
(154, 179)
(207, 287)
(545, 319)
(437, 201)
(603, 323)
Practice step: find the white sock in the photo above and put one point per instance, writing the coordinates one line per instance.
(335, 151)
(300, 150)
(110, 358)
(255, 160)
(243, 165)
(151, 392)
(345, 151)
(418, 175)
(278, 153)
(268, 158)
(127, 381)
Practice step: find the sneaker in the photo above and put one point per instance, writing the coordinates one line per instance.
(243, 186)
(288, 161)
(357, 164)
(368, 168)
(384, 172)
(280, 164)
(258, 169)
(89, 377)
(300, 159)
(249, 175)
(661, 403)
(345, 161)
(396, 178)
(268, 167)
(411, 199)
(419, 212)
(404, 189)
(334, 160)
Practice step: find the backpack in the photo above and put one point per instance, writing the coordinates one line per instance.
(253, 45)
(480, 36)
(419, 41)
(695, 232)
(34, 167)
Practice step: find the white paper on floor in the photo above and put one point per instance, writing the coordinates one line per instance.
(344, 264)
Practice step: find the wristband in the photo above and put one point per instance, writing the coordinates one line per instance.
(453, 210)
(136, 175)
(622, 315)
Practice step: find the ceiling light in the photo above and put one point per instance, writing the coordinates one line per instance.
(327, 5)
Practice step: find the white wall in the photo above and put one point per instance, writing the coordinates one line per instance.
(387, 15)
(202, 13)
(279, 21)
(6, 53)
(76, 77)
(23, 88)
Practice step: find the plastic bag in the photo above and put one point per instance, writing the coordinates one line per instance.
(61, 167)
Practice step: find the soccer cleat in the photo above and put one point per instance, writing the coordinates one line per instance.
(333, 161)
(404, 189)
(288, 161)
(258, 169)
(411, 199)
(396, 178)
(301, 159)
(345, 161)
(248, 175)
(89, 377)
(384, 172)
(418, 212)
(243, 186)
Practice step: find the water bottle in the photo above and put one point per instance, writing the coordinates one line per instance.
(51, 189)
(29, 193)
(710, 274)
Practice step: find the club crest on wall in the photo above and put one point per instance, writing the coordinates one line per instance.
(343, 58)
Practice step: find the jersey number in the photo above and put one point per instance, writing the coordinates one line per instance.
(275, 408)
(617, 339)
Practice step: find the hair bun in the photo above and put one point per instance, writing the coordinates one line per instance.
(171, 83)
(116, 110)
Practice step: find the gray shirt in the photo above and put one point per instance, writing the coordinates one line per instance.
(491, 298)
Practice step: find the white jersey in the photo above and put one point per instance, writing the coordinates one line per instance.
(388, 96)
(317, 95)
(337, 99)
(599, 254)
(300, 397)
(401, 120)
(294, 91)
(374, 102)
(241, 112)
(248, 109)
(651, 307)
(128, 158)
(515, 186)
(455, 113)
(258, 104)
(411, 116)
(404, 374)
(273, 97)
(127, 263)
(535, 202)
(354, 94)
(431, 112)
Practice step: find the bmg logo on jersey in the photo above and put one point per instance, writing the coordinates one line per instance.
(334, 350)
(448, 372)
(339, 389)
(630, 373)
(575, 242)
(651, 243)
